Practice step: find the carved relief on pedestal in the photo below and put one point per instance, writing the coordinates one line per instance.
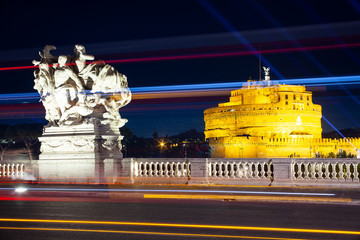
(110, 145)
(70, 145)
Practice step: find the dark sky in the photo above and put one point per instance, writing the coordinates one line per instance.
(114, 30)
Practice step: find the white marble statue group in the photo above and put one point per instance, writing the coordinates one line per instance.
(74, 92)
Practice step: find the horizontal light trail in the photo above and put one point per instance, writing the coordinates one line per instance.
(235, 85)
(247, 198)
(146, 233)
(214, 55)
(177, 225)
(171, 190)
(203, 89)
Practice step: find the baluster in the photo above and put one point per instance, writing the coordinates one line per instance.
(138, 169)
(153, 169)
(255, 170)
(216, 167)
(170, 172)
(221, 170)
(12, 170)
(149, 169)
(356, 173)
(224, 168)
(188, 169)
(306, 172)
(301, 170)
(333, 172)
(162, 169)
(233, 169)
(157, 169)
(247, 170)
(7, 170)
(313, 170)
(212, 167)
(341, 172)
(270, 172)
(169, 169)
(335, 176)
(237, 172)
(1, 170)
(327, 172)
(263, 172)
(348, 172)
(173, 169)
(250, 170)
(17, 169)
(241, 170)
(148, 172)
(180, 169)
(209, 166)
(144, 169)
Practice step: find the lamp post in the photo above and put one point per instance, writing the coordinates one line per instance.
(185, 148)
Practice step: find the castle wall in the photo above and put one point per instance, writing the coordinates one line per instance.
(255, 147)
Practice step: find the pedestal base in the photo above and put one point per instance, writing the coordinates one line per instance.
(86, 153)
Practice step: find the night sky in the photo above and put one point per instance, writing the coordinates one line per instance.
(116, 30)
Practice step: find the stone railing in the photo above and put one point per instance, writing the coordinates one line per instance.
(239, 168)
(19, 170)
(152, 167)
(323, 170)
(10, 170)
(211, 171)
(267, 172)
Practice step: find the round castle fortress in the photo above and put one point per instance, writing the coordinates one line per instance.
(263, 120)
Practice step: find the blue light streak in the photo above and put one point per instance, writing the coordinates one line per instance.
(318, 81)
(215, 13)
(170, 190)
(328, 122)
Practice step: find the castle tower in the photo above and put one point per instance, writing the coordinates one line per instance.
(278, 111)
(259, 112)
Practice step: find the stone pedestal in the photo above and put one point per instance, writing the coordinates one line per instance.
(88, 152)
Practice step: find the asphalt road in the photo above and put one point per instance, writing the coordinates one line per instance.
(149, 212)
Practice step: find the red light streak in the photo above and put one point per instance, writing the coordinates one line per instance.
(212, 55)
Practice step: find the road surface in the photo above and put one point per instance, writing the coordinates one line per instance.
(164, 212)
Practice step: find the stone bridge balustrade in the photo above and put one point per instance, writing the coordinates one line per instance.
(240, 168)
(325, 170)
(342, 173)
(158, 168)
(12, 169)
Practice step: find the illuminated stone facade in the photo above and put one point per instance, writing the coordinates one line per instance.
(263, 120)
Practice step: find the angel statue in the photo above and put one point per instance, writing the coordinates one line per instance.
(73, 91)
(267, 71)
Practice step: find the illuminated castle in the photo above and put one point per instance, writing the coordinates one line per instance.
(263, 120)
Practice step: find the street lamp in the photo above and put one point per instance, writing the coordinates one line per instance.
(162, 145)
